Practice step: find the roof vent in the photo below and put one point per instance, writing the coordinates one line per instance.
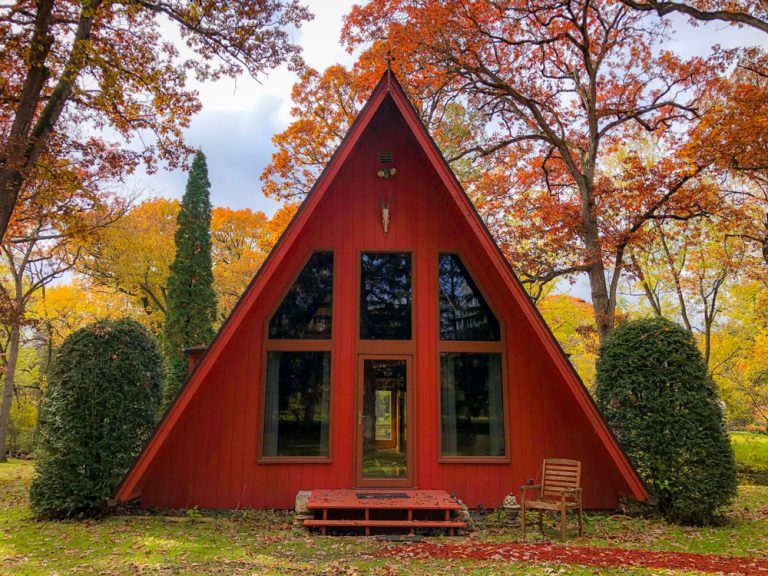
(385, 157)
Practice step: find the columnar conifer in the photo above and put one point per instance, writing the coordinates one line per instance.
(191, 309)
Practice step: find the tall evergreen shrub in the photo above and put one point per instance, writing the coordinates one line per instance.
(191, 309)
(104, 389)
(654, 389)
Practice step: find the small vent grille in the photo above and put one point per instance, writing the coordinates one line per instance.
(385, 157)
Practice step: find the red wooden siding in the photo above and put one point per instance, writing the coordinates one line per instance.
(208, 455)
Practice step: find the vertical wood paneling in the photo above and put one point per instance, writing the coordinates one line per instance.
(226, 425)
(210, 459)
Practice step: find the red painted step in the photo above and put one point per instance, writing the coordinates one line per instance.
(387, 523)
(342, 509)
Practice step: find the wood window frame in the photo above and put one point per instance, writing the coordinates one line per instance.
(410, 403)
(470, 347)
(294, 345)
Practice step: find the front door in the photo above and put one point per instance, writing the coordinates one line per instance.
(383, 421)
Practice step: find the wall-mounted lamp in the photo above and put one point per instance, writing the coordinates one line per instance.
(386, 173)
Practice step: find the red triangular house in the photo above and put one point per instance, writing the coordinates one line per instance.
(365, 357)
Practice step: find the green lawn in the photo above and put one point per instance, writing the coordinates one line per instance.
(751, 452)
(265, 543)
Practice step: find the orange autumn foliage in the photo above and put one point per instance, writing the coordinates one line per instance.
(324, 107)
(237, 251)
(561, 89)
(733, 137)
(277, 225)
(132, 257)
(110, 66)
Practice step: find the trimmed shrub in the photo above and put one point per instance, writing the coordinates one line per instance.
(104, 390)
(654, 389)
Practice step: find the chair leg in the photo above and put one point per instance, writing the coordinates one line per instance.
(563, 517)
(581, 523)
(522, 517)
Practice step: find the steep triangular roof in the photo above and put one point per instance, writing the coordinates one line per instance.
(387, 86)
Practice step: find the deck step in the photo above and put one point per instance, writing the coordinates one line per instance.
(319, 523)
(382, 499)
(382, 509)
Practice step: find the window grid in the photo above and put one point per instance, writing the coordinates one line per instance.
(298, 345)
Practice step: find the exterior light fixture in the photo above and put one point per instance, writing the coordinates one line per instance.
(386, 173)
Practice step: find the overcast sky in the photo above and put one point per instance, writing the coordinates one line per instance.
(239, 117)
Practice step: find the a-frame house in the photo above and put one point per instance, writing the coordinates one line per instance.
(385, 342)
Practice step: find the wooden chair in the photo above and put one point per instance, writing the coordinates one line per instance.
(560, 490)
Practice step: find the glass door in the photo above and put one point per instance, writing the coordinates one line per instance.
(383, 411)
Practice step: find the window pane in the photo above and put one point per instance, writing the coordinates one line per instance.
(464, 314)
(384, 419)
(296, 405)
(472, 405)
(305, 312)
(385, 297)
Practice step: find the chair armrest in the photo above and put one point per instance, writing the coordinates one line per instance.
(567, 490)
(573, 492)
(525, 488)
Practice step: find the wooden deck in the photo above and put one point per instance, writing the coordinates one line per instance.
(382, 510)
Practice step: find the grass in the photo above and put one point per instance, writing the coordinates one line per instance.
(265, 542)
(751, 452)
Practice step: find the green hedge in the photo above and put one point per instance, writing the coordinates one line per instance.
(104, 390)
(654, 389)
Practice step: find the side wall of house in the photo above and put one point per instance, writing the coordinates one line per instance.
(210, 459)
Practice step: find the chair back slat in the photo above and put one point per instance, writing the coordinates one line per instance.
(558, 473)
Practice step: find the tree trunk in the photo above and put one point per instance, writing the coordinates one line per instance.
(8, 385)
(45, 355)
(601, 300)
(601, 303)
(676, 278)
(10, 185)
(707, 343)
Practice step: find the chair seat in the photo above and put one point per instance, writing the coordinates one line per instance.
(550, 504)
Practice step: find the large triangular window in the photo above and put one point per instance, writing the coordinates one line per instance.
(464, 313)
(305, 312)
